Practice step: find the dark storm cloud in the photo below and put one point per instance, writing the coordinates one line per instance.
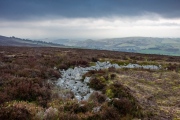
(26, 9)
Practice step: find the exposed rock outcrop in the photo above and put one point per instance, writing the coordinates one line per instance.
(72, 78)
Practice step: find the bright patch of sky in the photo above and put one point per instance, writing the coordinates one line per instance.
(89, 19)
(94, 28)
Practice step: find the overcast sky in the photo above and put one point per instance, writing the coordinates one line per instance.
(89, 19)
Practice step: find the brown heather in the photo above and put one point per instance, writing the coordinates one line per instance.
(28, 90)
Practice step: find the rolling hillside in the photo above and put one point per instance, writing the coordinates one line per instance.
(147, 45)
(13, 41)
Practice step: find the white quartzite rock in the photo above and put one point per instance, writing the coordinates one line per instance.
(71, 78)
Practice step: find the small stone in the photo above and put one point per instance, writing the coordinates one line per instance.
(87, 79)
(96, 109)
(72, 82)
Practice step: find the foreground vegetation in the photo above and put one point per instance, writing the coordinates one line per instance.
(28, 90)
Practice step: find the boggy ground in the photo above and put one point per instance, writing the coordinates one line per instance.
(27, 89)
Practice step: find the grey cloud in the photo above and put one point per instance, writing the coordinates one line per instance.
(27, 9)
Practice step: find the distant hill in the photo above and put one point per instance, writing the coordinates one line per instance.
(148, 45)
(13, 41)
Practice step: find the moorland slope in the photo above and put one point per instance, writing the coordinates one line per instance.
(29, 90)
